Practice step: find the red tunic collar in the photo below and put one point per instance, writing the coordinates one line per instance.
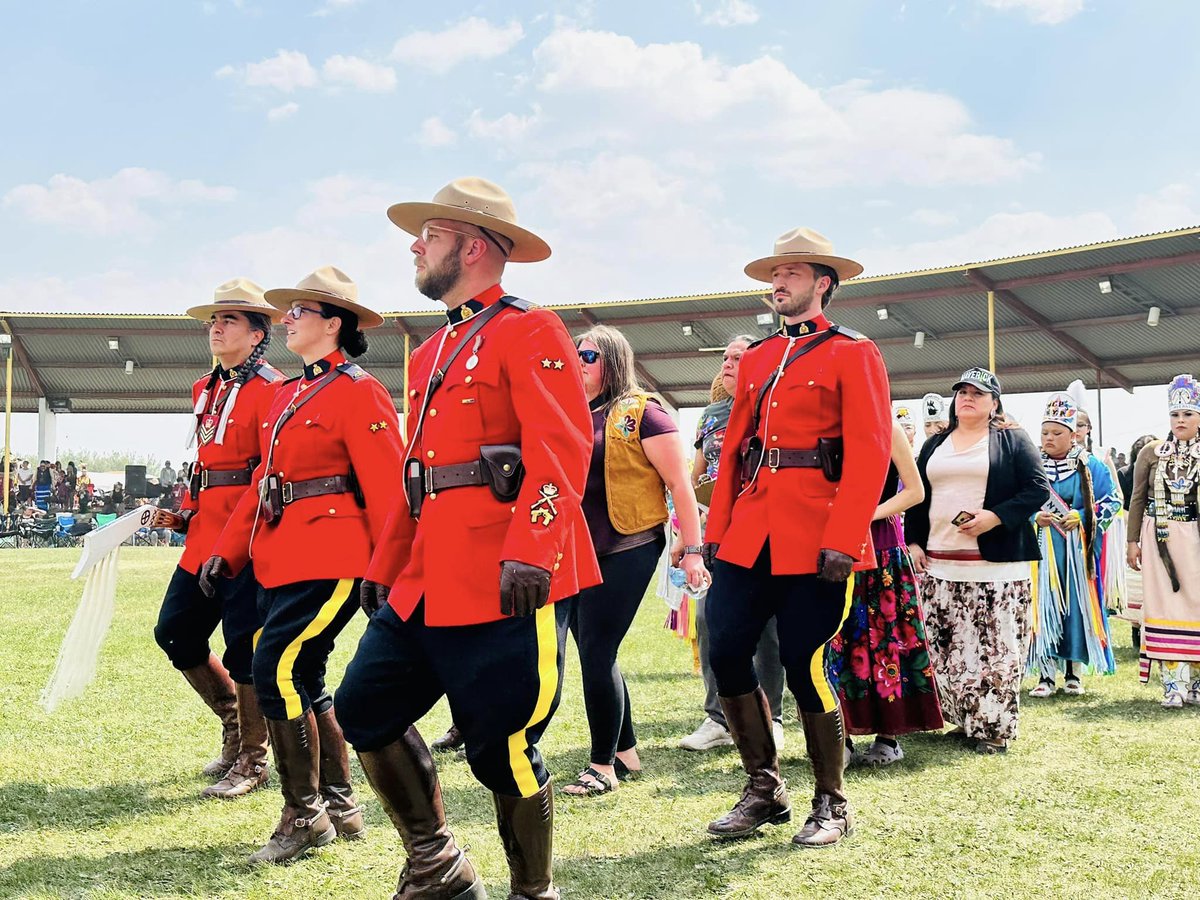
(464, 311)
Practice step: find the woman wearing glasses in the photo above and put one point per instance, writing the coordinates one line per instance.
(229, 402)
(636, 458)
(330, 449)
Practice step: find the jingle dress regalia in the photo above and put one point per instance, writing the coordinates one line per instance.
(1163, 515)
(1069, 622)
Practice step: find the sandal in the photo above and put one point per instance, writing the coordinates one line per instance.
(986, 748)
(624, 773)
(598, 785)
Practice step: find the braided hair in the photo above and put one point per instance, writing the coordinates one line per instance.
(258, 322)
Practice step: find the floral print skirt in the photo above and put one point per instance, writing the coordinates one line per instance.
(978, 637)
(880, 661)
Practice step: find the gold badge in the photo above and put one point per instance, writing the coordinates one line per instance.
(378, 426)
(542, 510)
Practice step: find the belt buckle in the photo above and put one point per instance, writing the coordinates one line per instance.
(773, 458)
(428, 478)
(203, 479)
(286, 490)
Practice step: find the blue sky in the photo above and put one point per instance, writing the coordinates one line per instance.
(152, 150)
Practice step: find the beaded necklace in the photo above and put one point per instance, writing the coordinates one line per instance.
(1178, 475)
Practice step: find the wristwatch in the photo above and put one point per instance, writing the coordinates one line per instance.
(693, 549)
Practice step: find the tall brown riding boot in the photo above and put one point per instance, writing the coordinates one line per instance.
(403, 776)
(527, 832)
(304, 823)
(831, 818)
(344, 811)
(765, 798)
(212, 683)
(249, 770)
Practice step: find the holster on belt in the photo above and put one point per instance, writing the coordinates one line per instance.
(270, 496)
(499, 469)
(830, 455)
(414, 485)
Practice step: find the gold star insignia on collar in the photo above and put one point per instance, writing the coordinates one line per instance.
(546, 363)
(378, 426)
(558, 364)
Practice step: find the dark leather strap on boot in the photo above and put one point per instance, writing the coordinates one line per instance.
(403, 776)
(527, 832)
(216, 689)
(343, 809)
(765, 798)
(249, 770)
(831, 819)
(304, 823)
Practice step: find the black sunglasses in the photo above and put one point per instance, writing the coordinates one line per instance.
(589, 356)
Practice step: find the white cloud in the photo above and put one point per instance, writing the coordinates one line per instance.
(1170, 207)
(343, 196)
(727, 12)
(1042, 12)
(656, 96)
(504, 129)
(359, 73)
(435, 133)
(472, 38)
(933, 218)
(334, 6)
(286, 111)
(999, 235)
(108, 206)
(286, 71)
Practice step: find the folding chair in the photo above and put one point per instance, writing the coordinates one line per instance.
(62, 531)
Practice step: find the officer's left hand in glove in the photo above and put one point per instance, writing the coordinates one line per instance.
(213, 569)
(833, 565)
(524, 589)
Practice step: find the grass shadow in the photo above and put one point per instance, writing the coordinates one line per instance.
(30, 806)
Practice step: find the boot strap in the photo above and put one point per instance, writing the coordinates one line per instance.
(343, 813)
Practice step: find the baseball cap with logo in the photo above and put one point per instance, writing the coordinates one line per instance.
(981, 378)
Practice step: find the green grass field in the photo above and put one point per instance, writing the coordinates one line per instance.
(1098, 798)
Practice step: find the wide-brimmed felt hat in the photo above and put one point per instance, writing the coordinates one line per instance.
(327, 284)
(475, 201)
(806, 246)
(238, 295)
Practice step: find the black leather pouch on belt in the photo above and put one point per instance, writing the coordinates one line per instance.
(270, 495)
(751, 453)
(831, 453)
(414, 486)
(502, 470)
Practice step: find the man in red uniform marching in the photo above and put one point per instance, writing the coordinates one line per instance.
(489, 534)
(810, 436)
(229, 402)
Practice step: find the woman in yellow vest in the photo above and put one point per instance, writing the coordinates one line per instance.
(636, 458)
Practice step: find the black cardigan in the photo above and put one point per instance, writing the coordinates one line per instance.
(1016, 489)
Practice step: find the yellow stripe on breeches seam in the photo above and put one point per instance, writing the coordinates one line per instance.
(547, 667)
(283, 673)
(816, 666)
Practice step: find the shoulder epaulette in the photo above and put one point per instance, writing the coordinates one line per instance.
(354, 370)
(847, 332)
(269, 373)
(763, 340)
(290, 380)
(517, 303)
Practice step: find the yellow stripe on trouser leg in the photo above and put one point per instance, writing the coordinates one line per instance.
(283, 673)
(547, 667)
(816, 666)
(254, 640)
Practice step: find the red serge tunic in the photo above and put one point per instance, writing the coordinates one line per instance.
(213, 506)
(350, 423)
(524, 387)
(840, 389)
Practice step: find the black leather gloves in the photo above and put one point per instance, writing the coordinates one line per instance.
(834, 566)
(372, 595)
(709, 555)
(213, 569)
(524, 589)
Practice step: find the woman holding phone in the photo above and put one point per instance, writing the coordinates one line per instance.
(973, 538)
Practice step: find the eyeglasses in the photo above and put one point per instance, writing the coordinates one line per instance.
(297, 312)
(589, 356)
(486, 235)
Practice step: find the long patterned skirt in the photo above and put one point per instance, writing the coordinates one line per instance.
(880, 661)
(978, 637)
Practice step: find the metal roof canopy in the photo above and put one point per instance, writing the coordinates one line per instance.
(1054, 323)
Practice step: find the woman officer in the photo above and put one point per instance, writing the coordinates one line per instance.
(229, 402)
(330, 449)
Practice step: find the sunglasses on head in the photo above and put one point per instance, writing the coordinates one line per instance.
(589, 356)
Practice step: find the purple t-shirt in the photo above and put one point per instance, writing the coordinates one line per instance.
(605, 538)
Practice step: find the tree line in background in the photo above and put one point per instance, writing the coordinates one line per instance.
(98, 460)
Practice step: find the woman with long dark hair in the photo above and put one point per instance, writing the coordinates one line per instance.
(229, 403)
(636, 458)
(330, 451)
(973, 538)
